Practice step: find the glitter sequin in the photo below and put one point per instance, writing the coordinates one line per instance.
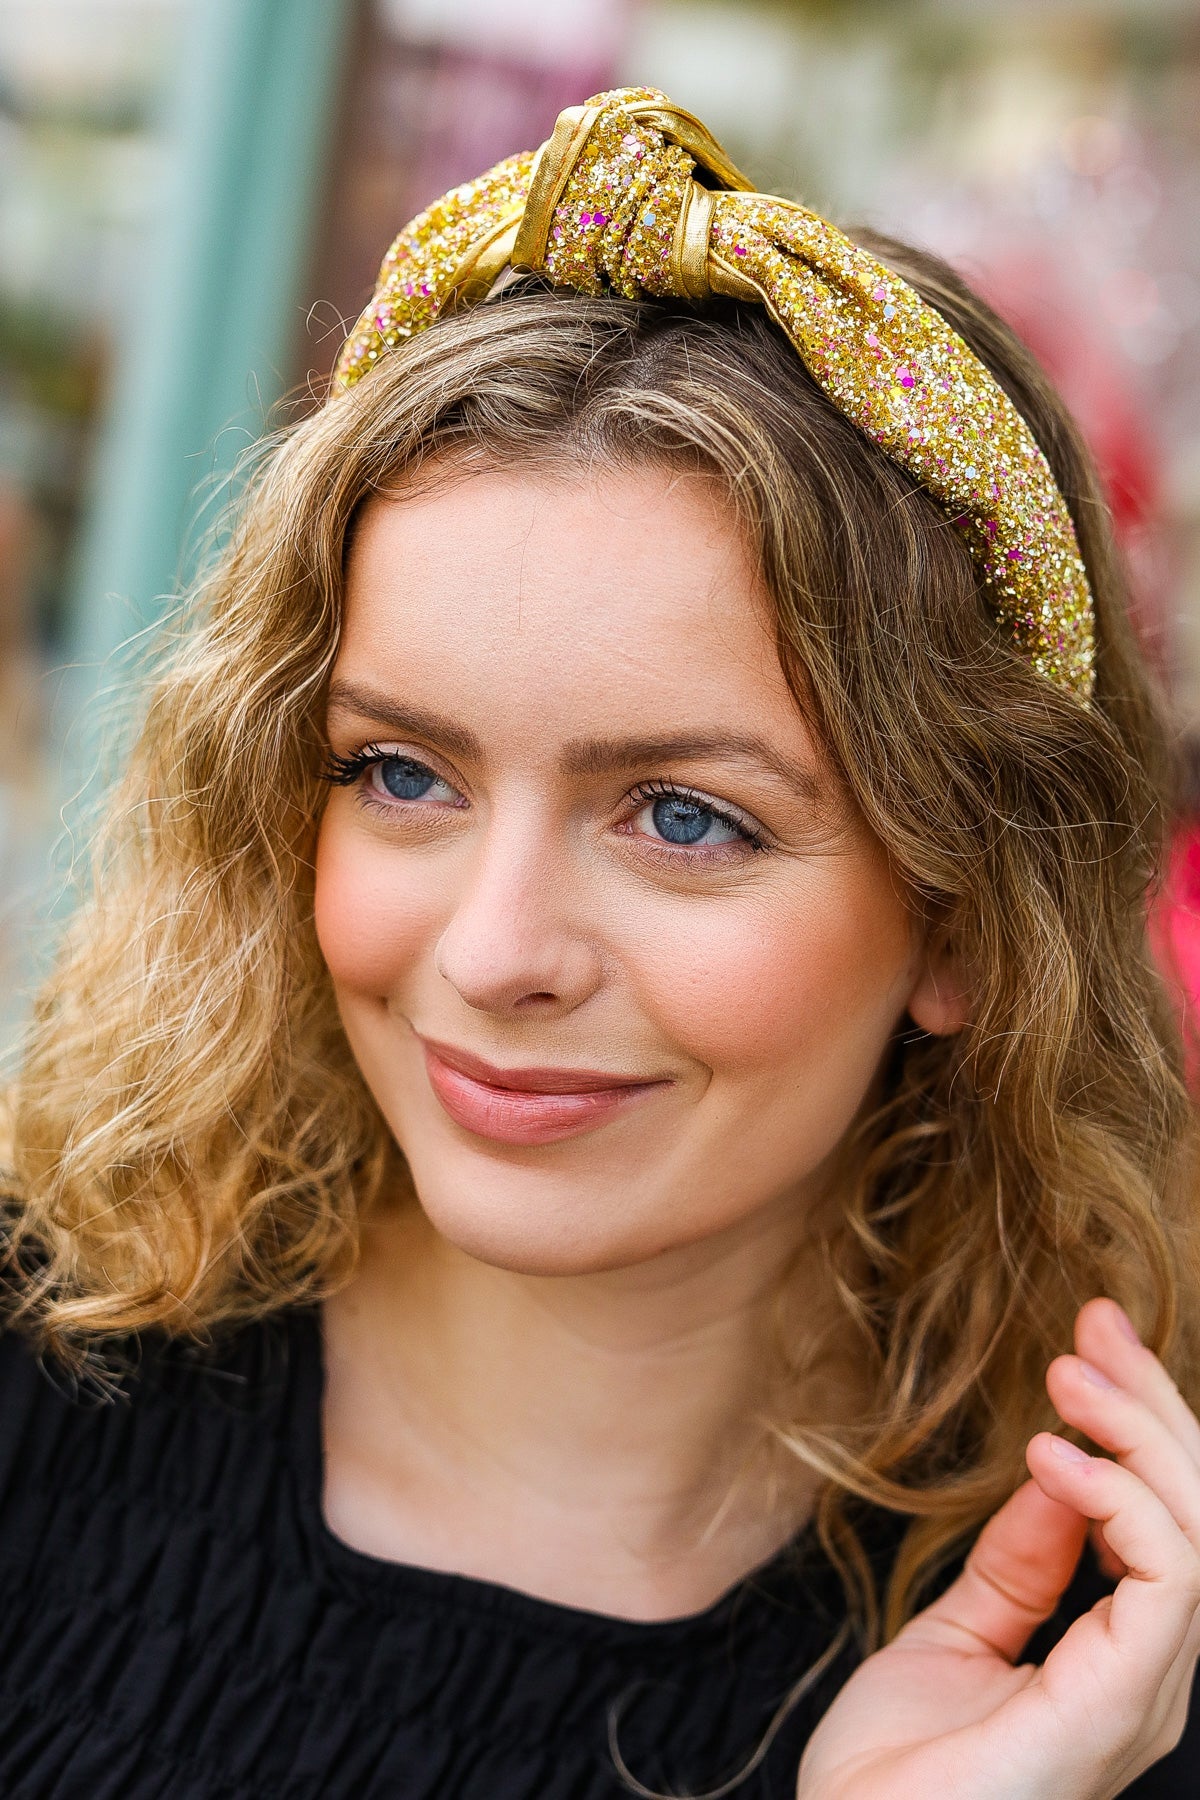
(423, 267)
(886, 359)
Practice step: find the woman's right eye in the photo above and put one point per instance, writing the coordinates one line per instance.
(403, 778)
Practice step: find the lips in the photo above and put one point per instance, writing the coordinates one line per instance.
(529, 1105)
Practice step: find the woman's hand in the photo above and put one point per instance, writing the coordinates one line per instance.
(943, 1711)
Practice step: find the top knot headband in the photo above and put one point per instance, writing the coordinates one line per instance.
(631, 195)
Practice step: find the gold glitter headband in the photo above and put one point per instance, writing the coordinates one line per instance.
(611, 203)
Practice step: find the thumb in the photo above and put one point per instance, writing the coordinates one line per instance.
(1013, 1579)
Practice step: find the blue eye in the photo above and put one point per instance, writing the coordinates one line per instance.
(686, 822)
(403, 778)
(690, 821)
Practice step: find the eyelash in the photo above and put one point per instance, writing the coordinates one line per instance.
(344, 771)
(647, 791)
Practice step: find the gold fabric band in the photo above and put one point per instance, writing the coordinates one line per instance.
(631, 195)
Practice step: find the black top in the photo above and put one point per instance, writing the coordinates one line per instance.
(177, 1623)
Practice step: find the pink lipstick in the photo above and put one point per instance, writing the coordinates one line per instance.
(531, 1105)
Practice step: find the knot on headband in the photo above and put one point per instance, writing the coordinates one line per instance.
(631, 195)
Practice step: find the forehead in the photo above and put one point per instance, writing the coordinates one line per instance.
(576, 600)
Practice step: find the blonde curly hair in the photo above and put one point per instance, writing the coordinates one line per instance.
(192, 1143)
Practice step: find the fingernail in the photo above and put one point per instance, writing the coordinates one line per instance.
(1125, 1325)
(1067, 1451)
(1096, 1376)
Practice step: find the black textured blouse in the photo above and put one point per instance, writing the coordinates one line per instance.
(177, 1623)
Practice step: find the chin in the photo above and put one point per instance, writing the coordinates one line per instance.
(548, 1225)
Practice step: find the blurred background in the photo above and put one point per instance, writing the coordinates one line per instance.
(195, 194)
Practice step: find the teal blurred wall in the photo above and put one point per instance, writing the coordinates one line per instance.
(220, 302)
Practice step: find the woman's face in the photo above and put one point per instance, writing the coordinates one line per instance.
(615, 955)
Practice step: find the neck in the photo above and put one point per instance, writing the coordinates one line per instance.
(595, 1439)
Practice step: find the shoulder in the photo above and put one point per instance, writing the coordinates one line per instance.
(143, 1412)
(155, 1569)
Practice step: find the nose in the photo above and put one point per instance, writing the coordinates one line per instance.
(517, 939)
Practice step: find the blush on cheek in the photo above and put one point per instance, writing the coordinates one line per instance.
(370, 926)
(826, 977)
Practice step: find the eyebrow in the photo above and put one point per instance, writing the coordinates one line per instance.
(603, 756)
(581, 756)
(405, 721)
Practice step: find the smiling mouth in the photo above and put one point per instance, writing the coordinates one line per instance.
(530, 1105)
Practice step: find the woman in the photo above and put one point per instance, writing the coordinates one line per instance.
(611, 1047)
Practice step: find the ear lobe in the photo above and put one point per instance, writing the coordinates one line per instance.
(938, 1003)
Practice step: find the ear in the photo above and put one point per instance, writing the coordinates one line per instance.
(939, 1002)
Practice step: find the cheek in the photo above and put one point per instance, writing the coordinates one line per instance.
(370, 926)
(821, 972)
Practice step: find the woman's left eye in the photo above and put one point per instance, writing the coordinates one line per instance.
(404, 778)
(690, 822)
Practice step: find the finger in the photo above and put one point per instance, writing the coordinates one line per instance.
(1012, 1580)
(1135, 1434)
(1105, 1338)
(1153, 1610)
(1126, 1709)
(1109, 1564)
